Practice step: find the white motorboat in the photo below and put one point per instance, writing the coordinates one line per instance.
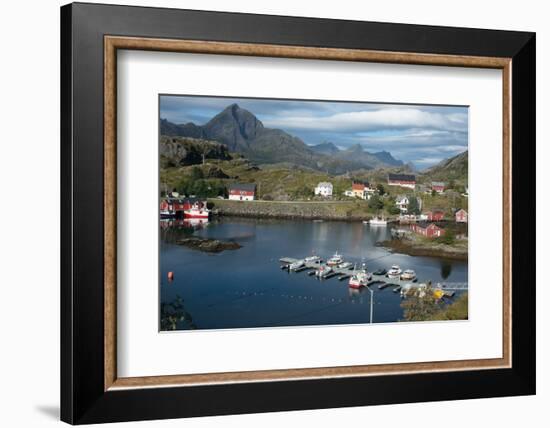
(394, 272)
(312, 259)
(335, 260)
(378, 222)
(323, 271)
(345, 265)
(296, 265)
(408, 275)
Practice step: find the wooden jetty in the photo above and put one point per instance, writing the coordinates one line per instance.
(381, 281)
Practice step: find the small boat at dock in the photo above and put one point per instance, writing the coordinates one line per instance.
(313, 259)
(360, 278)
(323, 271)
(380, 272)
(408, 275)
(335, 260)
(345, 265)
(394, 272)
(296, 265)
(378, 222)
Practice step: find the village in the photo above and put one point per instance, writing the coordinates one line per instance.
(426, 209)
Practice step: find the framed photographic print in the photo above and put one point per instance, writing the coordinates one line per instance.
(265, 213)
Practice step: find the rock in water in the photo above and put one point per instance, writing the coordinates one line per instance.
(208, 245)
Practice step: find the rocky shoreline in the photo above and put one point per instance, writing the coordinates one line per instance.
(340, 210)
(431, 249)
(208, 245)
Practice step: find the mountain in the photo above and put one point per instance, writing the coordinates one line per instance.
(326, 148)
(242, 132)
(356, 153)
(184, 151)
(454, 168)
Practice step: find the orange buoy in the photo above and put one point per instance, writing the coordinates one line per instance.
(170, 276)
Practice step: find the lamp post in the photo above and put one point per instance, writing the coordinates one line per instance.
(371, 302)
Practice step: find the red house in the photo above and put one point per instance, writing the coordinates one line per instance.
(461, 216)
(402, 180)
(242, 192)
(430, 230)
(435, 215)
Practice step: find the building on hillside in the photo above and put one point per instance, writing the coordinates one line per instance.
(429, 230)
(438, 186)
(402, 202)
(461, 216)
(242, 192)
(402, 180)
(435, 215)
(362, 190)
(324, 188)
(349, 193)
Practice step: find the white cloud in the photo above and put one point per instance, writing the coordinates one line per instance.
(363, 121)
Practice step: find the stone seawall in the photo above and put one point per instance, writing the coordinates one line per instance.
(322, 210)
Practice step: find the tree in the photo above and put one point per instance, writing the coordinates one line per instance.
(381, 190)
(414, 207)
(375, 203)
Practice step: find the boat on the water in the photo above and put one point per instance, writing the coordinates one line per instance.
(312, 259)
(360, 279)
(380, 272)
(378, 222)
(394, 272)
(408, 275)
(335, 260)
(345, 265)
(296, 265)
(323, 271)
(197, 210)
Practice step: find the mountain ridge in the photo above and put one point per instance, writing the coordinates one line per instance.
(241, 131)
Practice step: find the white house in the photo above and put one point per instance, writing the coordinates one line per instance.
(242, 192)
(324, 189)
(402, 202)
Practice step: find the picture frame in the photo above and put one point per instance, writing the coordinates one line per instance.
(91, 35)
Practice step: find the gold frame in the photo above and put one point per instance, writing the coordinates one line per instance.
(113, 43)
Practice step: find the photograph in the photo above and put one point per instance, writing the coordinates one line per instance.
(281, 212)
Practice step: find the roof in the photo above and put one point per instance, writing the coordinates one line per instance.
(358, 186)
(461, 209)
(438, 183)
(425, 225)
(246, 187)
(324, 184)
(401, 177)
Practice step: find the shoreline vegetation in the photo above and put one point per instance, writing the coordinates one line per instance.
(307, 210)
(430, 309)
(425, 247)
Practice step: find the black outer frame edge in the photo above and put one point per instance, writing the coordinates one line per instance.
(82, 397)
(66, 305)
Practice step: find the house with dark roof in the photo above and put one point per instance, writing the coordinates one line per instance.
(242, 191)
(402, 180)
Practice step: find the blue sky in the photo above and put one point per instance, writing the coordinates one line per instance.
(421, 134)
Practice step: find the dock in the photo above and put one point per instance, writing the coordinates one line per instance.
(379, 281)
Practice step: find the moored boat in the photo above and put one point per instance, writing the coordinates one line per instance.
(197, 210)
(335, 260)
(345, 265)
(312, 259)
(378, 222)
(394, 272)
(296, 265)
(380, 272)
(323, 271)
(360, 279)
(408, 275)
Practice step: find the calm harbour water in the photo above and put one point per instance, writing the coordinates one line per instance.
(246, 287)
